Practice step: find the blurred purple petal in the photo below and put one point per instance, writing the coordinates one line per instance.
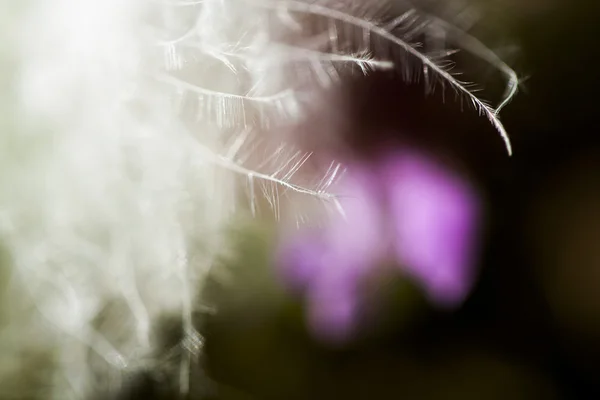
(435, 215)
(356, 236)
(404, 206)
(331, 263)
(333, 308)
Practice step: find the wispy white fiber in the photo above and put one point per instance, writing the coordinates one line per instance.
(127, 131)
(102, 196)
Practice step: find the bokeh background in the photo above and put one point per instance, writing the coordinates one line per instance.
(530, 328)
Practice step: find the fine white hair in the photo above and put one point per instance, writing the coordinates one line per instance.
(124, 127)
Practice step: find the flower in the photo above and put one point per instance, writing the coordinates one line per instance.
(405, 207)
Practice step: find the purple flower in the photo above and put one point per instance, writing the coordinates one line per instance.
(434, 216)
(404, 207)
